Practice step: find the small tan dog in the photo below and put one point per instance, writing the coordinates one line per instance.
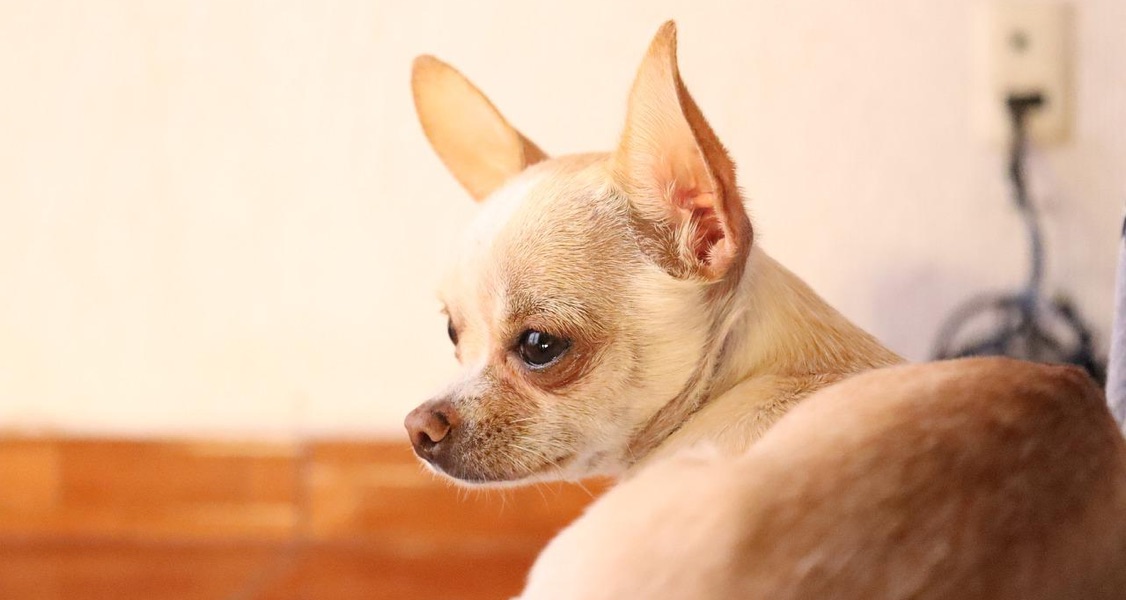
(980, 479)
(608, 308)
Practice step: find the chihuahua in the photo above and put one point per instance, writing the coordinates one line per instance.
(611, 308)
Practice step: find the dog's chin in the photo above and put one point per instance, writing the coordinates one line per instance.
(472, 476)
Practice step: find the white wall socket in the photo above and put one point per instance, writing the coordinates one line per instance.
(1022, 47)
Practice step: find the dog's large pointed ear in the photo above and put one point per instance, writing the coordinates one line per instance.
(471, 137)
(677, 174)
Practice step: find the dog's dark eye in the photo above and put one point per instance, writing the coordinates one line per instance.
(538, 349)
(451, 331)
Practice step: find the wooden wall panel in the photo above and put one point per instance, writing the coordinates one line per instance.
(88, 519)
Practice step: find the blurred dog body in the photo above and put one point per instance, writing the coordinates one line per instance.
(969, 479)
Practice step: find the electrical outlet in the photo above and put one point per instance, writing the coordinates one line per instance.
(1023, 47)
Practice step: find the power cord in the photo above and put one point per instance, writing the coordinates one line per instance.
(1022, 325)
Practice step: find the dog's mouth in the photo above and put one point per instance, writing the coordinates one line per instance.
(475, 474)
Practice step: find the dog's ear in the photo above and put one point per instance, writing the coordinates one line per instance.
(471, 137)
(677, 174)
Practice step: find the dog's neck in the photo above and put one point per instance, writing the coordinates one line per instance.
(781, 327)
(772, 325)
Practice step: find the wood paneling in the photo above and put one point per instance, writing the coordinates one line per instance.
(122, 519)
(335, 571)
(101, 570)
(372, 491)
(29, 477)
(149, 490)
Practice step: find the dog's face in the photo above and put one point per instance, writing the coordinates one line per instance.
(586, 293)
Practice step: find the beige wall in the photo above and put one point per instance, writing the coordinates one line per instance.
(220, 217)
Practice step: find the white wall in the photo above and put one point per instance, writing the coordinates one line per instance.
(220, 217)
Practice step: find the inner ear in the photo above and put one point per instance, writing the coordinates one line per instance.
(468, 133)
(676, 172)
(707, 230)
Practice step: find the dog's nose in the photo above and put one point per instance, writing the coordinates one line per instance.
(429, 424)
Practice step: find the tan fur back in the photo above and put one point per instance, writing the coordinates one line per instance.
(983, 478)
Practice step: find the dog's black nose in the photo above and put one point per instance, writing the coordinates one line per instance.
(429, 424)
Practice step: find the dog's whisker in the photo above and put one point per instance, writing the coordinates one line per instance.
(583, 487)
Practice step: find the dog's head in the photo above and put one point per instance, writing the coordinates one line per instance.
(587, 293)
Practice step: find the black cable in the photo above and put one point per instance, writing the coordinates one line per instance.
(1019, 108)
(1023, 321)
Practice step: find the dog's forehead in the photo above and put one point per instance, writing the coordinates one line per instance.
(500, 212)
(473, 270)
(554, 227)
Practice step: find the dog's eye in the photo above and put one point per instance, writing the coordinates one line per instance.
(538, 349)
(451, 331)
